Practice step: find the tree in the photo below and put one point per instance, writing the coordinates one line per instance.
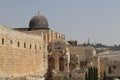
(89, 73)
(104, 76)
(109, 70)
(95, 73)
(86, 76)
(92, 73)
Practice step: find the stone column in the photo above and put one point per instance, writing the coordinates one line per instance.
(66, 68)
(53, 36)
(50, 35)
(46, 37)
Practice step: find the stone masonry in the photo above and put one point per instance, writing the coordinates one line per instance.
(20, 54)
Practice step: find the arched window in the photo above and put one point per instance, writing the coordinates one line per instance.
(51, 62)
(61, 64)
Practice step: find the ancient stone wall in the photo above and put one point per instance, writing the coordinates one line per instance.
(83, 52)
(115, 66)
(104, 64)
(78, 50)
(20, 54)
(80, 56)
(59, 55)
(108, 62)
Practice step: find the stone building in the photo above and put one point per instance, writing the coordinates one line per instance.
(109, 62)
(80, 55)
(59, 56)
(24, 51)
(57, 53)
(20, 54)
(29, 52)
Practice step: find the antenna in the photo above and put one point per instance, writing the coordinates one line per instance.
(88, 41)
(38, 13)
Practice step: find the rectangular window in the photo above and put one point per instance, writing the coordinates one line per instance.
(40, 47)
(11, 41)
(35, 47)
(18, 44)
(24, 45)
(2, 40)
(30, 46)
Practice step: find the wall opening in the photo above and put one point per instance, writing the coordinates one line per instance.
(61, 64)
(24, 45)
(18, 44)
(51, 63)
(35, 47)
(30, 46)
(11, 41)
(2, 41)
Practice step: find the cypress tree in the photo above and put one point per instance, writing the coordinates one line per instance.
(89, 73)
(86, 76)
(94, 68)
(96, 73)
(104, 76)
(92, 73)
(109, 69)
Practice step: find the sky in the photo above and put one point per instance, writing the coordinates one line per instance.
(97, 20)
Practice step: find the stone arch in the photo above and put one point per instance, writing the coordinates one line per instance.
(51, 62)
(61, 64)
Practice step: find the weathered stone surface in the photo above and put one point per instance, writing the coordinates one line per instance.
(20, 60)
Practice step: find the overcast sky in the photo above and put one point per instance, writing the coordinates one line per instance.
(98, 20)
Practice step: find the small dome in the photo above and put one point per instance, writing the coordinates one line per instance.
(38, 21)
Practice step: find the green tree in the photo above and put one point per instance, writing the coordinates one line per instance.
(86, 76)
(109, 70)
(94, 68)
(104, 76)
(92, 73)
(95, 73)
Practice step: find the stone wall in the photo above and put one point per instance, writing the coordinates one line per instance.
(109, 61)
(104, 65)
(83, 52)
(59, 56)
(20, 54)
(115, 66)
(80, 56)
(78, 76)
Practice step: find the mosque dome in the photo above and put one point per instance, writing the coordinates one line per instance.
(38, 21)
